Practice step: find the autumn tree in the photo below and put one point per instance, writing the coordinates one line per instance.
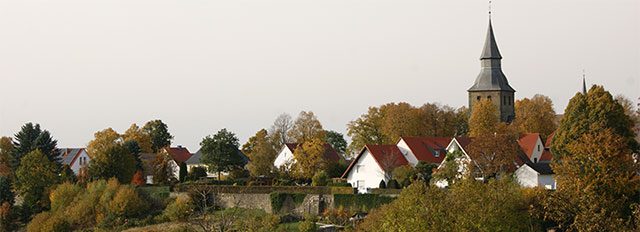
(280, 129)
(103, 140)
(337, 142)
(444, 121)
(220, 152)
(309, 159)
(590, 112)
(163, 169)
(113, 161)
(306, 127)
(261, 153)
(597, 183)
(7, 162)
(629, 108)
(159, 133)
(31, 138)
(494, 154)
(34, 180)
(483, 119)
(6, 195)
(135, 133)
(535, 115)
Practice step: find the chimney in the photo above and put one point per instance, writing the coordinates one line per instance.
(179, 147)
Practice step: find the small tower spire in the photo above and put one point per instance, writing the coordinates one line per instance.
(489, 10)
(584, 83)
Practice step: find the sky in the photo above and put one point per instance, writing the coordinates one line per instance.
(80, 66)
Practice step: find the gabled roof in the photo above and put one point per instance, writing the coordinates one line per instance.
(528, 143)
(196, 157)
(491, 77)
(546, 155)
(424, 147)
(179, 154)
(330, 154)
(549, 139)
(387, 157)
(541, 168)
(68, 156)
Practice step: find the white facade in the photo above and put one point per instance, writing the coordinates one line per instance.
(406, 151)
(529, 178)
(81, 160)
(366, 173)
(284, 157)
(537, 151)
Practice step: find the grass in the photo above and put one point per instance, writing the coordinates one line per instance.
(289, 227)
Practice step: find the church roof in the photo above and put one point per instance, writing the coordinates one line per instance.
(491, 77)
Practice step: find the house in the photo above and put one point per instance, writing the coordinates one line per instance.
(76, 158)
(179, 154)
(532, 146)
(147, 164)
(536, 174)
(373, 164)
(195, 161)
(285, 157)
(426, 149)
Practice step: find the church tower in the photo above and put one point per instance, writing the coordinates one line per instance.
(491, 83)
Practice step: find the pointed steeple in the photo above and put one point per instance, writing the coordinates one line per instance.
(584, 84)
(490, 50)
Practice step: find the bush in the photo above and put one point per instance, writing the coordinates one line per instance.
(182, 174)
(338, 216)
(382, 184)
(336, 169)
(393, 184)
(45, 222)
(238, 173)
(257, 220)
(6, 217)
(362, 202)
(197, 172)
(179, 209)
(127, 203)
(339, 185)
(63, 196)
(308, 225)
(319, 179)
(405, 175)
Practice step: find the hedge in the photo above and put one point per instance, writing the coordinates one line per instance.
(155, 192)
(278, 199)
(364, 202)
(270, 189)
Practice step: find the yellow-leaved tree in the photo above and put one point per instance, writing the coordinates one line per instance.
(309, 158)
(306, 127)
(484, 118)
(102, 140)
(535, 115)
(135, 133)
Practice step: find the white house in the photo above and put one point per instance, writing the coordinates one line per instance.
(536, 174)
(426, 149)
(532, 145)
(373, 164)
(76, 158)
(285, 156)
(179, 154)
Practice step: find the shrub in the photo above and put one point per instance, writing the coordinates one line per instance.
(45, 222)
(393, 184)
(63, 196)
(6, 217)
(197, 172)
(309, 224)
(238, 173)
(405, 174)
(319, 179)
(257, 220)
(382, 184)
(182, 174)
(127, 203)
(179, 209)
(339, 185)
(138, 179)
(336, 169)
(338, 216)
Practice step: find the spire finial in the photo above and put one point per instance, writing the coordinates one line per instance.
(489, 10)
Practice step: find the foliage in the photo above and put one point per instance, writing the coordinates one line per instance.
(6, 216)
(597, 184)
(182, 175)
(309, 224)
(133, 148)
(6, 195)
(261, 152)
(7, 162)
(386, 123)
(360, 201)
(493, 154)
(310, 159)
(425, 170)
(280, 130)
(393, 184)
(126, 203)
(468, 205)
(307, 127)
(135, 133)
(114, 161)
(197, 172)
(257, 220)
(139, 179)
(64, 195)
(484, 118)
(629, 108)
(405, 174)
(179, 209)
(535, 115)
(278, 199)
(220, 152)
(450, 172)
(34, 179)
(67, 175)
(103, 140)
(337, 141)
(339, 216)
(320, 179)
(163, 170)
(588, 113)
(45, 222)
(31, 138)
(336, 169)
(159, 133)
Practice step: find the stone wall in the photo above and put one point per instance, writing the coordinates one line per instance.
(312, 204)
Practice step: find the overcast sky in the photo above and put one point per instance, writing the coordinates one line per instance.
(77, 67)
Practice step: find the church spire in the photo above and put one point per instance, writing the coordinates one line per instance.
(490, 50)
(584, 84)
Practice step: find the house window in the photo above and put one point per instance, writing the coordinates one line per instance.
(358, 168)
(538, 147)
(535, 160)
(360, 184)
(437, 153)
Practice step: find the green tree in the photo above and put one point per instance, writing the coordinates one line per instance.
(405, 174)
(159, 133)
(337, 141)
(261, 152)
(450, 170)
(31, 138)
(67, 175)
(197, 172)
(114, 161)
(587, 113)
(535, 115)
(483, 119)
(306, 127)
(320, 179)
(34, 180)
(6, 195)
(182, 175)
(133, 148)
(425, 170)
(220, 152)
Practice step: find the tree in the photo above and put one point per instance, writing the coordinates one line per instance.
(220, 152)
(320, 179)
(102, 141)
(425, 170)
(405, 174)
(494, 154)
(306, 127)
(597, 183)
(629, 108)
(337, 141)
(134, 133)
(483, 119)
(450, 170)
(309, 159)
(197, 172)
(590, 112)
(182, 175)
(31, 138)
(6, 158)
(67, 175)
(535, 115)
(159, 133)
(133, 148)
(34, 180)
(6, 195)
(280, 129)
(261, 153)
(163, 170)
(138, 179)
(113, 161)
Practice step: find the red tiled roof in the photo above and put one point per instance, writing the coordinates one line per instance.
(549, 139)
(528, 143)
(329, 153)
(546, 155)
(387, 157)
(423, 148)
(179, 154)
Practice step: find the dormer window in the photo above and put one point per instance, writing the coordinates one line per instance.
(437, 153)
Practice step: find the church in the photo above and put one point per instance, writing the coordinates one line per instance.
(491, 83)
